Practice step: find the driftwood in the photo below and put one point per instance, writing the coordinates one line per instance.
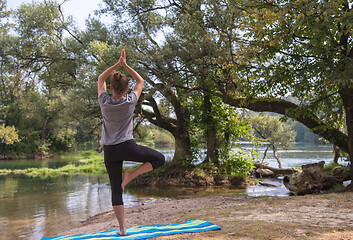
(264, 173)
(311, 180)
(268, 184)
(342, 172)
(263, 170)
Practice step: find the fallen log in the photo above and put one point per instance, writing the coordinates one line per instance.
(276, 171)
(311, 180)
(268, 184)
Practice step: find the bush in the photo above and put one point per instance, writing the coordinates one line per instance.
(238, 163)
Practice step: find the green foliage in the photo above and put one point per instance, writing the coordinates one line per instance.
(64, 140)
(239, 163)
(331, 165)
(224, 120)
(8, 134)
(90, 163)
(302, 49)
(273, 130)
(153, 136)
(46, 95)
(210, 51)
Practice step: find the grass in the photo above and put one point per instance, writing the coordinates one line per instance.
(90, 163)
(331, 165)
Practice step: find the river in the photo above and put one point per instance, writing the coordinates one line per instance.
(32, 208)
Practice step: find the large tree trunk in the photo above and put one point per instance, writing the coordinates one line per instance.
(347, 96)
(182, 153)
(210, 131)
(177, 127)
(211, 146)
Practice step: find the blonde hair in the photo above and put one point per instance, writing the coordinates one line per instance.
(119, 82)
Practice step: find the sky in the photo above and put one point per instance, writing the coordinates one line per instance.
(78, 9)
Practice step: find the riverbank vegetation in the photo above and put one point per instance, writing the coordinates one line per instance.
(87, 162)
(236, 170)
(206, 64)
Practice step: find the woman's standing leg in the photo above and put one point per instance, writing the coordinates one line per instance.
(113, 159)
(119, 213)
(114, 169)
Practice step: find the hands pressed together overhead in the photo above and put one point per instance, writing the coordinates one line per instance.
(122, 60)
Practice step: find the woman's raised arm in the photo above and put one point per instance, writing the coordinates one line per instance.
(102, 86)
(139, 80)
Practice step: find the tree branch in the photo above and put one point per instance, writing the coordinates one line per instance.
(291, 110)
(168, 124)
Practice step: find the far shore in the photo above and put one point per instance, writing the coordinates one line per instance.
(320, 216)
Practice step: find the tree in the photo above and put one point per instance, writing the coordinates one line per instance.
(301, 48)
(178, 69)
(265, 51)
(8, 135)
(277, 133)
(161, 71)
(37, 69)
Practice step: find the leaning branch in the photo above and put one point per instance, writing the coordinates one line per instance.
(294, 111)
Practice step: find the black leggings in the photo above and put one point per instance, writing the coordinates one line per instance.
(114, 155)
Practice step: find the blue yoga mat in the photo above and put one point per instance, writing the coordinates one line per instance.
(144, 232)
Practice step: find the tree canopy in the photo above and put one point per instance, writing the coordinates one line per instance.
(202, 60)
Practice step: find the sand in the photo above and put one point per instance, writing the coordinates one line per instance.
(320, 216)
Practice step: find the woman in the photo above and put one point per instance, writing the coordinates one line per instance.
(117, 138)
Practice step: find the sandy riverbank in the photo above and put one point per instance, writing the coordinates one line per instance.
(325, 216)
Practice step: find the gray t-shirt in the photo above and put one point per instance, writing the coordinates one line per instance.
(117, 118)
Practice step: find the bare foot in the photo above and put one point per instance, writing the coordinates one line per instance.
(127, 179)
(121, 233)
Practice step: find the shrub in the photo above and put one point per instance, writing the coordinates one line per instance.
(238, 163)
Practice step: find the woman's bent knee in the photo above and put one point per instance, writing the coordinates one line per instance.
(159, 161)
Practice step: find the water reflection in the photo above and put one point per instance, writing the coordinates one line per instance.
(32, 208)
(36, 163)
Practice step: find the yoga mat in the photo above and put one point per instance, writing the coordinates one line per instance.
(145, 232)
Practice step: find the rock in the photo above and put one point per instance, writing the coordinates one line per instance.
(310, 180)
